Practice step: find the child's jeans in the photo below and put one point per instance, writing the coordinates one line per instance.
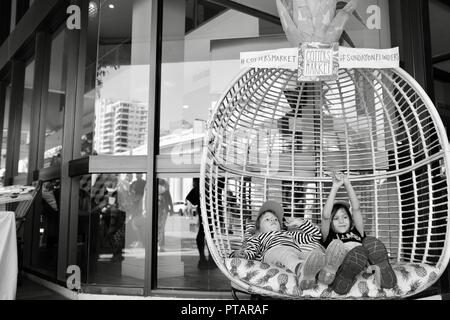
(288, 256)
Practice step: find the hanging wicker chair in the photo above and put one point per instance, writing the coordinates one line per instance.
(274, 138)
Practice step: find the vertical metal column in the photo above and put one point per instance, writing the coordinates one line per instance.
(15, 120)
(153, 144)
(39, 103)
(74, 113)
(68, 217)
(37, 129)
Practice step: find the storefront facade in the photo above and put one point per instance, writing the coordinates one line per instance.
(110, 99)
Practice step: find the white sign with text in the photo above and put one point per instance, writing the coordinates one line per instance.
(368, 58)
(286, 58)
(349, 58)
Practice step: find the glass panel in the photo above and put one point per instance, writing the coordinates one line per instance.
(46, 227)
(198, 11)
(25, 127)
(183, 256)
(111, 229)
(13, 15)
(5, 135)
(90, 82)
(117, 90)
(56, 103)
(440, 51)
(18, 10)
(200, 60)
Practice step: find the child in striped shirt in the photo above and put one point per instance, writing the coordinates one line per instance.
(298, 250)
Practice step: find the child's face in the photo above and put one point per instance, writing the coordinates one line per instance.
(341, 221)
(269, 222)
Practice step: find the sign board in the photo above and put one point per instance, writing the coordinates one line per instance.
(350, 58)
(318, 61)
(281, 58)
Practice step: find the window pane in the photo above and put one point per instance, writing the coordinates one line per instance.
(200, 59)
(90, 82)
(201, 48)
(117, 101)
(440, 48)
(183, 256)
(25, 128)
(111, 229)
(5, 135)
(198, 63)
(56, 103)
(13, 15)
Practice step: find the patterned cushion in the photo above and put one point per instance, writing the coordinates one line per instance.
(411, 278)
(264, 275)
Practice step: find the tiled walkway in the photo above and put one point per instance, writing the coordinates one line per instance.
(30, 290)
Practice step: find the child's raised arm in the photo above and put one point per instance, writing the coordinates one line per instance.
(326, 213)
(356, 211)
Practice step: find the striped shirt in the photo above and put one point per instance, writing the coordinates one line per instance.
(305, 238)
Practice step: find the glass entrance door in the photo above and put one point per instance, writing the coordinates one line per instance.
(46, 214)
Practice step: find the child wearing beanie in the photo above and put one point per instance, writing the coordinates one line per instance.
(298, 250)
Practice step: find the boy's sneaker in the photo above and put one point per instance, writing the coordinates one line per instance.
(334, 256)
(378, 256)
(312, 265)
(354, 262)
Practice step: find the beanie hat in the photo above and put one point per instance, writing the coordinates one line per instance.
(274, 207)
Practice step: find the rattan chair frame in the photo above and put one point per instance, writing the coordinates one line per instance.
(403, 176)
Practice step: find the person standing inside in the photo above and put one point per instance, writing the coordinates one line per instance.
(194, 198)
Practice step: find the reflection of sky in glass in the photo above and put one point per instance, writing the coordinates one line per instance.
(209, 64)
(189, 89)
(26, 114)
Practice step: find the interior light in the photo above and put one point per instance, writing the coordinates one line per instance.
(111, 6)
(92, 9)
(185, 106)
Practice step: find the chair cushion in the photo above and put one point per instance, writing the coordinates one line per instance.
(261, 276)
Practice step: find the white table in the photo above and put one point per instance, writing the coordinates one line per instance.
(8, 240)
(8, 256)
